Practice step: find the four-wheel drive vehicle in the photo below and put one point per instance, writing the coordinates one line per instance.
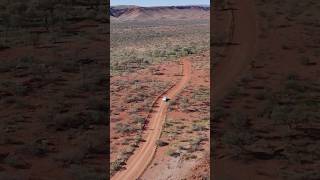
(165, 99)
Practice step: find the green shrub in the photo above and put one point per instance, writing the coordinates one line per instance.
(172, 153)
(161, 143)
(138, 119)
(198, 127)
(115, 166)
(124, 128)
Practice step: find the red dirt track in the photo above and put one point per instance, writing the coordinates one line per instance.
(143, 156)
(240, 54)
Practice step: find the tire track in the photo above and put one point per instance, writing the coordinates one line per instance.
(142, 157)
(240, 55)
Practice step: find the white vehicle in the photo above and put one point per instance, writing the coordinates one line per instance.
(165, 99)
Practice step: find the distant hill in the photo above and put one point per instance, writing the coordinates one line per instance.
(123, 6)
(127, 13)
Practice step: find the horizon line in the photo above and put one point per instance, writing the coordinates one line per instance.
(160, 5)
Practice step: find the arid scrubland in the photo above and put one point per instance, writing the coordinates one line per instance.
(53, 79)
(270, 116)
(145, 61)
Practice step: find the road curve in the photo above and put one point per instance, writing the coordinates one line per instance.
(143, 156)
(225, 74)
(238, 56)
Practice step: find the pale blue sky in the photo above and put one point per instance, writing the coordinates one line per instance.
(159, 2)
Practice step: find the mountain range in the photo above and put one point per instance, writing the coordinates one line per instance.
(131, 12)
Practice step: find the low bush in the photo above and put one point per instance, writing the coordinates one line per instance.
(138, 119)
(161, 143)
(198, 127)
(173, 153)
(124, 128)
(116, 166)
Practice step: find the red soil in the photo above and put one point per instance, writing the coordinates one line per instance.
(139, 161)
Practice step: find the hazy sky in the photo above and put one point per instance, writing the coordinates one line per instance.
(159, 2)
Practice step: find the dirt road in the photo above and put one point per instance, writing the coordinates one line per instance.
(143, 156)
(230, 69)
(240, 55)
